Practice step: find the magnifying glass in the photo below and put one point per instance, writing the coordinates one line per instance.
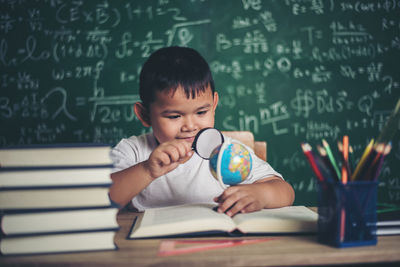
(206, 141)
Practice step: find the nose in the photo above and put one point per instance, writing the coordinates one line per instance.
(189, 124)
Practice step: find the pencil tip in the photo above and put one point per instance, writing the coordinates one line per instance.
(305, 146)
(321, 150)
(340, 146)
(380, 147)
(388, 148)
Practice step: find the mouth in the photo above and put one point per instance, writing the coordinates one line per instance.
(188, 139)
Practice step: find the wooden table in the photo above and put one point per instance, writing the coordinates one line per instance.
(282, 251)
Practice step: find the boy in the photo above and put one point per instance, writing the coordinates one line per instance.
(178, 99)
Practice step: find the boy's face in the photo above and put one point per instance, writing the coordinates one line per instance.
(174, 116)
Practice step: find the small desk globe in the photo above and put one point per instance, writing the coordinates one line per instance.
(232, 165)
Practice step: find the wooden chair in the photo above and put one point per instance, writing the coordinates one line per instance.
(247, 138)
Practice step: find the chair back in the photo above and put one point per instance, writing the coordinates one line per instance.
(247, 138)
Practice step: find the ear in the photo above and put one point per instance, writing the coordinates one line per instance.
(142, 114)
(216, 98)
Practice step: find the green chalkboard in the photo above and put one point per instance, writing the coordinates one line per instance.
(289, 71)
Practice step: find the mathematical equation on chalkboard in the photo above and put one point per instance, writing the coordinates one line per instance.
(288, 71)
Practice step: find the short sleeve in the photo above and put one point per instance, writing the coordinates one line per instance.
(132, 150)
(123, 155)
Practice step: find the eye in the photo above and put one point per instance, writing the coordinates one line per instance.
(202, 112)
(173, 117)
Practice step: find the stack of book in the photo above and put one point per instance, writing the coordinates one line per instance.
(54, 199)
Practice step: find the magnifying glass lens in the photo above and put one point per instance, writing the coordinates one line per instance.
(206, 141)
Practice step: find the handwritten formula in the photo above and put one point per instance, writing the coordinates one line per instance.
(287, 70)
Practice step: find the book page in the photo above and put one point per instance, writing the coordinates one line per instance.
(292, 219)
(181, 219)
(173, 214)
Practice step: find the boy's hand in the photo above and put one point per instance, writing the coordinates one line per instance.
(240, 198)
(167, 156)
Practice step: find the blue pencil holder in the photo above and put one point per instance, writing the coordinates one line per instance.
(347, 214)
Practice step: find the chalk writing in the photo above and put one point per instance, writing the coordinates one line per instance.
(288, 71)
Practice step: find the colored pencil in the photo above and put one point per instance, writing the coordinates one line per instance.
(361, 163)
(351, 159)
(310, 157)
(342, 224)
(329, 169)
(345, 163)
(387, 150)
(345, 171)
(391, 125)
(331, 157)
(362, 175)
(369, 173)
(345, 176)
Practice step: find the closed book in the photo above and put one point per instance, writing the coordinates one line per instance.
(43, 222)
(58, 243)
(54, 198)
(202, 219)
(388, 217)
(54, 177)
(388, 221)
(388, 230)
(55, 155)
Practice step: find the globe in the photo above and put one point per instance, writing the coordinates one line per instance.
(235, 163)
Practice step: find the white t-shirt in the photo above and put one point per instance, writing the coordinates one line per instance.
(191, 182)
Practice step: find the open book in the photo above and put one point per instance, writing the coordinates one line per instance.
(198, 219)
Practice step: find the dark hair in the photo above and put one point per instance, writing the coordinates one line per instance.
(170, 67)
